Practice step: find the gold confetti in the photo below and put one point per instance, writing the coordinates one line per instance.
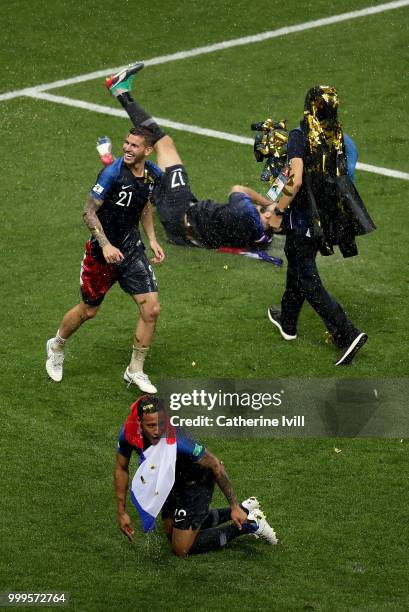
(328, 338)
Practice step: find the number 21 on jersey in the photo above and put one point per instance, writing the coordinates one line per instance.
(125, 198)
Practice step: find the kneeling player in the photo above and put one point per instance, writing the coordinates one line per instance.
(246, 221)
(190, 525)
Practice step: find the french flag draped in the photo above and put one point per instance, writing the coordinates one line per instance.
(155, 476)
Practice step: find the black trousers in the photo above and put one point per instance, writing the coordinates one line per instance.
(304, 283)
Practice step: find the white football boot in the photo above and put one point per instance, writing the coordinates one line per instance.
(250, 504)
(54, 363)
(141, 380)
(264, 530)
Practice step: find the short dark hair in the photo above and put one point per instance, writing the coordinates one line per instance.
(149, 404)
(139, 130)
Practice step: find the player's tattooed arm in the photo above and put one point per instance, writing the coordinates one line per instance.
(213, 463)
(111, 254)
(238, 515)
(92, 222)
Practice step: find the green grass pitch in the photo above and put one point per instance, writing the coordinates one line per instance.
(341, 517)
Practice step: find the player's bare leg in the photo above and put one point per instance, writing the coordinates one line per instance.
(149, 308)
(72, 320)
(120, 87)
(75, 317)
(166, 153)
(182, 541)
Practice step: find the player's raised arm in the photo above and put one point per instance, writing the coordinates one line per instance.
(211, 462)
(121, 480)
(111, 253)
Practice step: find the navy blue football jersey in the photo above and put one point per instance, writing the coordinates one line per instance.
(188, 453)
(124, 196)
(235, 224)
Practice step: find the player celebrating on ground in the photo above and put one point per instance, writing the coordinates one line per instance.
(245, 222)
(191, 527)
(115, 252)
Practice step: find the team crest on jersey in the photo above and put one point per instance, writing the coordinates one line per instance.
(98, 188)
(148, 178)
(197, 449)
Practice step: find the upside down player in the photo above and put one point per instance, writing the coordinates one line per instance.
(190, 525)
(115, 252)
(244, 222)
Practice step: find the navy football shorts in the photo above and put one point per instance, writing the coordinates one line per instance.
(134, 274)
(189, 506)
(172, 199)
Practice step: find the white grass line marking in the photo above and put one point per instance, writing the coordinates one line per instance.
(227, 44)
(383, 171)
(193, 129)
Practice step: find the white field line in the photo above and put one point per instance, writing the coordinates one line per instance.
(193, 129)
(227, 44)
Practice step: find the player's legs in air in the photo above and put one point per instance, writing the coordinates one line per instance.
(119, 85)
(186, 221)
(173, 196)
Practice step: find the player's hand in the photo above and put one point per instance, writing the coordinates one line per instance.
(158, 253)
(125, 525)
(111, 254)
(238, 516)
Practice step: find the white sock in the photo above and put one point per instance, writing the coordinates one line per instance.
(138, 358)
(58, 343)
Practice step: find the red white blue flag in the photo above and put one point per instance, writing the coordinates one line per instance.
(154, 480)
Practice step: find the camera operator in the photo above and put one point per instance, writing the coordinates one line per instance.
(319, 208)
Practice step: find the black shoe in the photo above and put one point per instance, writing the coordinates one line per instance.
(275, 317)
(349, 351)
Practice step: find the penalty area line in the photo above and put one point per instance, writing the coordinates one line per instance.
(193, 129)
